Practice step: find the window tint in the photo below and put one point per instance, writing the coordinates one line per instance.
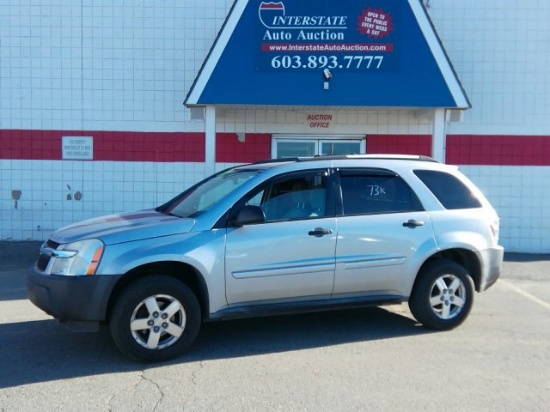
(383, 193)
(297, 196)
(450, 191)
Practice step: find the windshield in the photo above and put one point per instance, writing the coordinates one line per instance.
(202, 196)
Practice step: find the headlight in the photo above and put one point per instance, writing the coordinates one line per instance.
(78, 258)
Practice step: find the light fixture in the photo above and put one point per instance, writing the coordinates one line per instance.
(327, 75)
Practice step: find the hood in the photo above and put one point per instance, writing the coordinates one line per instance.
(124, 227)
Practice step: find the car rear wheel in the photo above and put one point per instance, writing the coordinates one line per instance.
(156, 318)
(442, 296)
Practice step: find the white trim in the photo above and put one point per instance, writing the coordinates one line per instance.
(318, 136)
(440, 57)
(216, 52)
(439, 135)
(210, 140)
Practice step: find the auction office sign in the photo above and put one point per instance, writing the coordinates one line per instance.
(333, 35)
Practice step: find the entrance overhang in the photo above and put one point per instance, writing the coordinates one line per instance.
(368, 54)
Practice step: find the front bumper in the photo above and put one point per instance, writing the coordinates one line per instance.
(80, 300)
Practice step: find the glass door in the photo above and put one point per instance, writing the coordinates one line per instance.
(295, 148)
(306, 147)
(340, 147)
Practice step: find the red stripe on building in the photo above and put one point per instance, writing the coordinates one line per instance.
(494, 150)
(134, 146)
(498, 150)
(189, 147)
(400, 144)
(254, 147)
(116, 146)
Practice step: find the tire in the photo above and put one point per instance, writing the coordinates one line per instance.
(155, 319)
(442, 296)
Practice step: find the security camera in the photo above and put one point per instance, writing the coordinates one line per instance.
(327, 74)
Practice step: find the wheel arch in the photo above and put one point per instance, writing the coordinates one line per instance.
(178, 270)
(464, 257)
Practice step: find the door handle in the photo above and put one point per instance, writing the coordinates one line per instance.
(319, 232)
(413, 223)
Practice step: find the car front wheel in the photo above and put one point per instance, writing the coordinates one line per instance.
(442, 296)
(156, 318)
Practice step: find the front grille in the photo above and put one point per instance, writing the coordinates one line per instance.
(51, 244)
(43, 259)
(42, 263)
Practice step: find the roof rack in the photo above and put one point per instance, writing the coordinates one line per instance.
(281, 160)
(422, 158)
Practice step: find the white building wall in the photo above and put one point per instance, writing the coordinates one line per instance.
(89, 65)
(499, 49)
(520, 195)
(127, 66)
(58, 193)
(349, 121)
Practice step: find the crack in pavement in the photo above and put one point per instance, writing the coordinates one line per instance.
(137, 395)
(156, 385)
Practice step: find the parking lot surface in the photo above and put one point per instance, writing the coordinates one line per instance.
(349, 360)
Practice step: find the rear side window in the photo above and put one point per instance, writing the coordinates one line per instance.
(364, 193)
(450, 191)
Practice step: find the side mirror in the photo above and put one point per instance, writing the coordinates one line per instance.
(248, 215)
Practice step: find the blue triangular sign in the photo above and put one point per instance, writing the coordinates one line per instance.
(353, 53)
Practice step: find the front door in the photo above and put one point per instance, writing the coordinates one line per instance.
(291, 255)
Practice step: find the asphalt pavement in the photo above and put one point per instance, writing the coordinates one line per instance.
(351, 360)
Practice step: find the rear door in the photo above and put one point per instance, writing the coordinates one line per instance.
(382, 231)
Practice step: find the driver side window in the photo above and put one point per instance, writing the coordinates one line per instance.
(296, 196)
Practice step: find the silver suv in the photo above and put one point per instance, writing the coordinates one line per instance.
(275, 237)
